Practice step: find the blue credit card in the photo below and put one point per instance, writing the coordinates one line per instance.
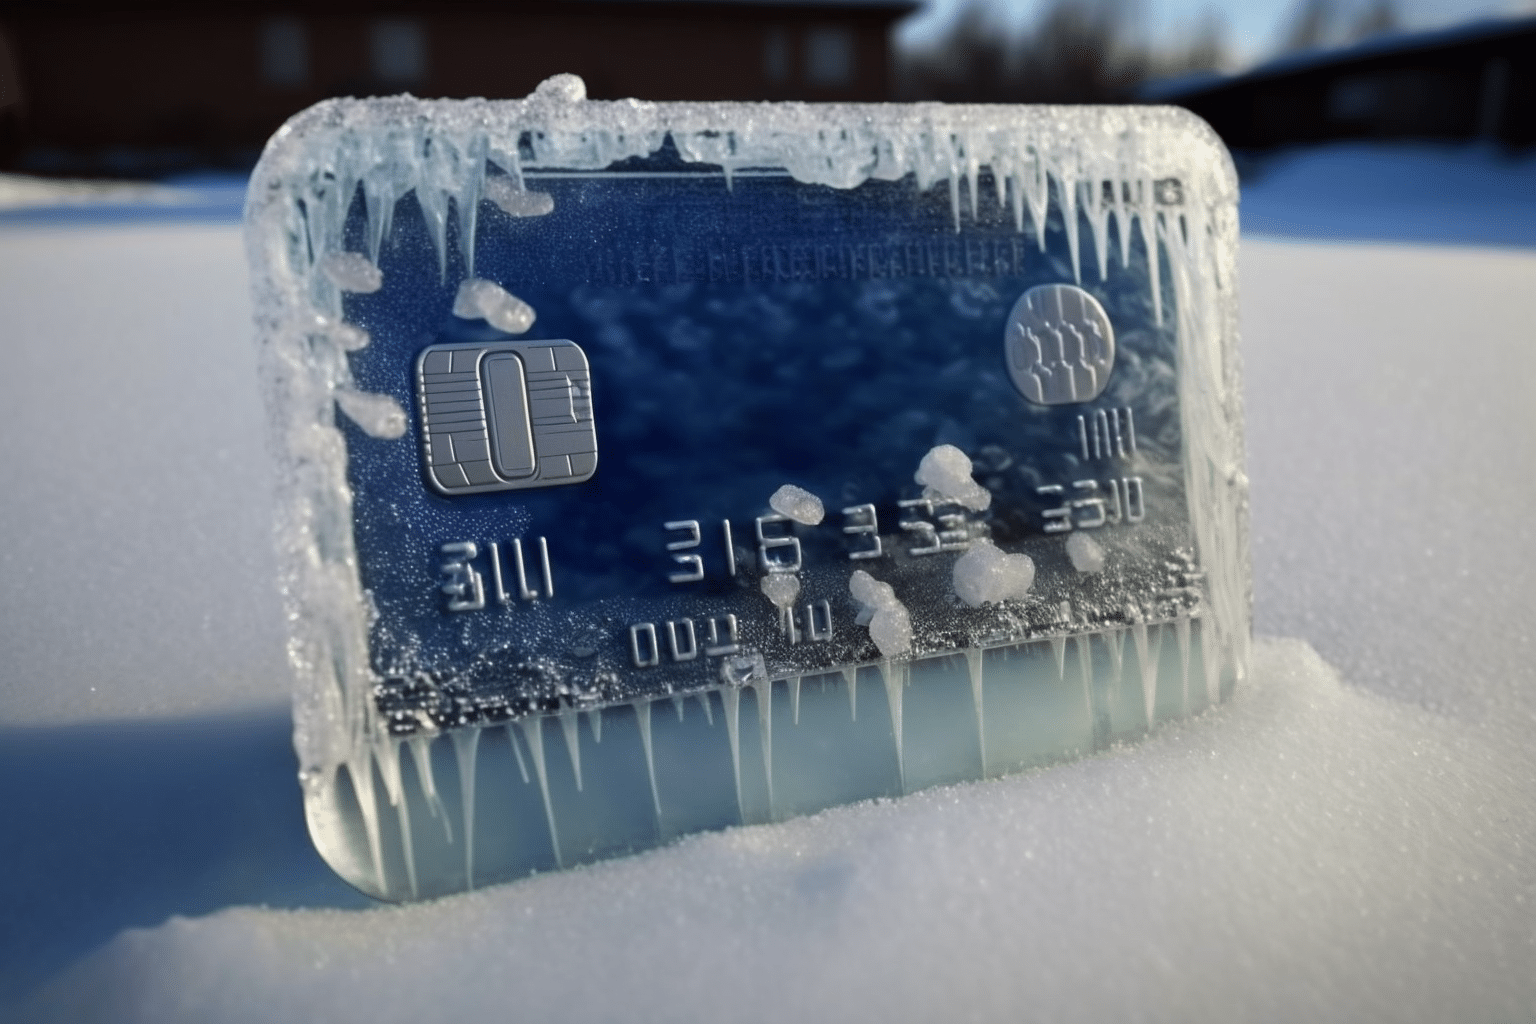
(914, 477)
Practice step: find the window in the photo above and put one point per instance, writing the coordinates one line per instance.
(284, 52)
(829, 56)
(398, 47)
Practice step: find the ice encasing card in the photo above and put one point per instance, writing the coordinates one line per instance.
(650, 468)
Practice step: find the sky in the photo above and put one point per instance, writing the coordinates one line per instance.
(1254, 28)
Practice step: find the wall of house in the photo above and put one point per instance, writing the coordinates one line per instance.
(138, 87)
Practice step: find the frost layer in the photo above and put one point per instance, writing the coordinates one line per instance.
(1101, 164)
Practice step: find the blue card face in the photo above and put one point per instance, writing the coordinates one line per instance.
(580, 512)
(878, 447)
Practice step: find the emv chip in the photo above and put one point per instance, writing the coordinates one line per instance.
(506, 415)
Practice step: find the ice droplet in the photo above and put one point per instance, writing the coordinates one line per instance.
(561, 89)
(781, 588)
(479, 299)
(986, 575)
(517, 201)
(947, 470)
(1085, 552)
(798, 504)
(352, 272)
(379, 415)
(890, 627)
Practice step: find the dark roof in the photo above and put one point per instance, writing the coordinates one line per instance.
(1174, 90)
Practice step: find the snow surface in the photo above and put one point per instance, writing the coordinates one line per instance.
(1351, 846)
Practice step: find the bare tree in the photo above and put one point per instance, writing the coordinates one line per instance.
(1077, 51)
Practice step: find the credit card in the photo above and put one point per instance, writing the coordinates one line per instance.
(650, 468)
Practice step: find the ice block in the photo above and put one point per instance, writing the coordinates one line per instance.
(647, 468)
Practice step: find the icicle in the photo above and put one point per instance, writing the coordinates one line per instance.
(677, 705)
(466, 199)
(465, 743)
(533, 731)
(1085, 663)
(1149, 651)
(595, 723)
(1098, 222)
(1114, 639)
(764, 692)
(569, 725)
(1038, 196)
(730, 697)
(851, 680)
(367, 802)
(517, 752)
(388, 756)
(709, 712)
(421, 756)
(1210, 659)
(1181, 631)
(972, 172)
(1066, 191)
(1059, 647)
(895, 674)
(1123, 221)
(1148, 221)
(643, 717)
(794, 698)
(973, 668)
(954, 199)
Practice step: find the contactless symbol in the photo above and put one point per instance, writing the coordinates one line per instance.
(506, 416)
(1060, 345)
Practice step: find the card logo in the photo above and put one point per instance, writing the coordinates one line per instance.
(1060, 345)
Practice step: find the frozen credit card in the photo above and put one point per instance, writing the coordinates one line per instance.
(650, 468)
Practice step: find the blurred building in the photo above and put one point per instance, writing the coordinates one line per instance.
(1474, 82)
(145, 87)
